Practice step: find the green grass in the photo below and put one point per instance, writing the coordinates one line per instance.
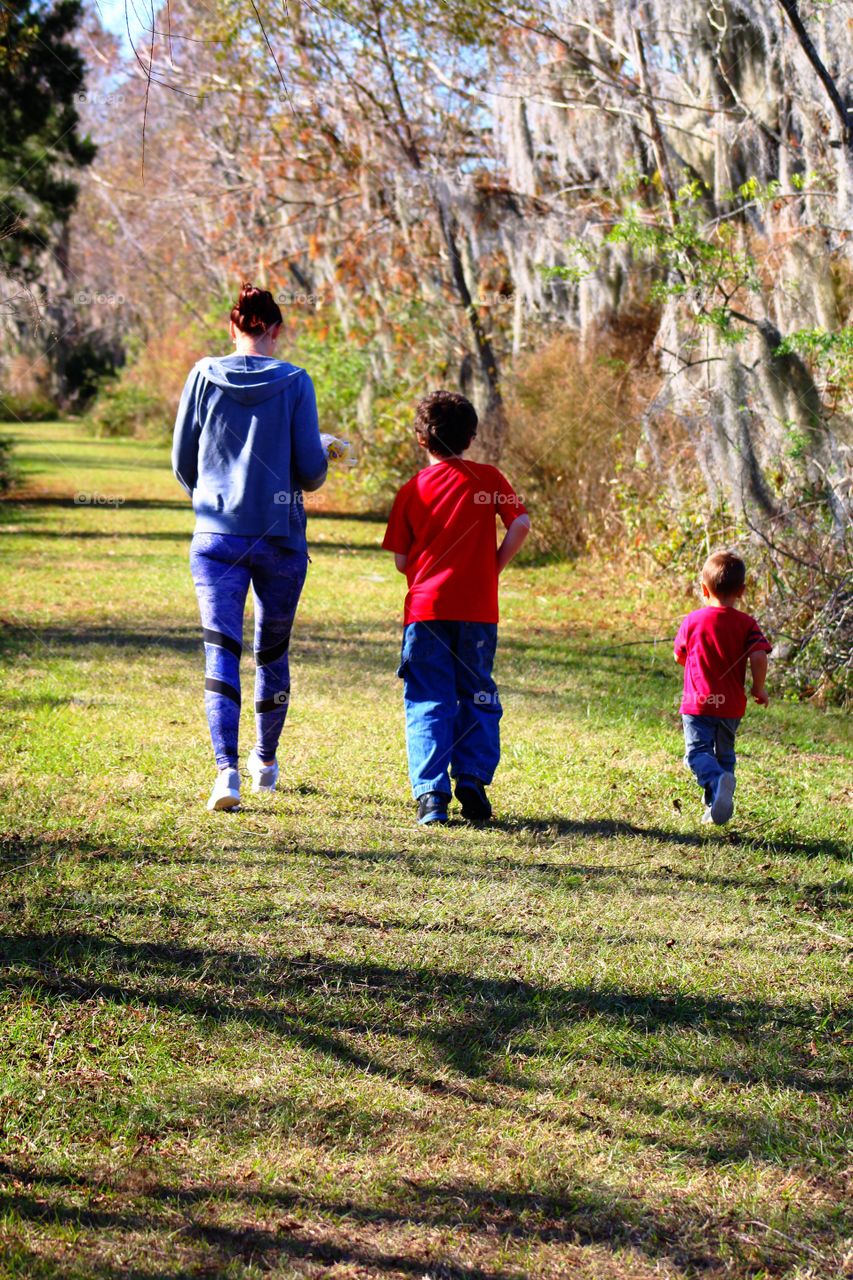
(597, 1040)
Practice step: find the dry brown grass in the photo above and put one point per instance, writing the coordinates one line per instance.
(574, 421)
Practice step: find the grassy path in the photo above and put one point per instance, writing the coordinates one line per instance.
(309, 1039)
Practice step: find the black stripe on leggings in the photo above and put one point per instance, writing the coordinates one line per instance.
(219, 686)
(275, 703)
(224, 641)
(263, 657)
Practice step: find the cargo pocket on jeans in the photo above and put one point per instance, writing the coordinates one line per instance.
(419, 645)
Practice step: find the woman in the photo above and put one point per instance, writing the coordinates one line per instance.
(246, 444)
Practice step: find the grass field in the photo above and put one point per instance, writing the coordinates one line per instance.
(597, 1040)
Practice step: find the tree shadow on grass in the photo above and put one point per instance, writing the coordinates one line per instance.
(279, 1225)
(612, 828)
(446, 863)
(368, 647)
(89, 535)
(36, 500)
(71, 643)
(464, 1022)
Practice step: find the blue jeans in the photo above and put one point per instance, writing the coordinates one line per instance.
(452, 707)
(709, 743)
(223, 566)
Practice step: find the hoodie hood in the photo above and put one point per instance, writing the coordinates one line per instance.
(249, 379)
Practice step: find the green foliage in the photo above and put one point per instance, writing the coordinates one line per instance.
(585, 256)
(88, 363)
(798, 440)
(6, 464)
(33, 407)
(348, 365)
(41, 73)
(337, 366)
(799, 582)
(126, 409)
(698, 261)
(830, 352)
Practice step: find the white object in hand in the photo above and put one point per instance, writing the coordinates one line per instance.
(337, 450)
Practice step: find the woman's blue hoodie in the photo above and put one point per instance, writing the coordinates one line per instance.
(246, 439)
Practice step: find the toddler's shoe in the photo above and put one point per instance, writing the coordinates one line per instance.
(471, 794)
(723, 804)
(264, 776)
(432, 807)
(226, 790)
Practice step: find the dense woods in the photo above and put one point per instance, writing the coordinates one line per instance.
(623, 228)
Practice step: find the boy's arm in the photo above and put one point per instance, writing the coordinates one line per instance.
(398, 533)
(681, 644)
(758, 667)
(512, 542)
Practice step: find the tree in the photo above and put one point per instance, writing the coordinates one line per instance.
(41, 76)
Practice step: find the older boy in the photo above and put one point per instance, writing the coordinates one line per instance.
(442, 533)
(713, 645)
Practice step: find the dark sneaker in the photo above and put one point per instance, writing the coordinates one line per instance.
(432, 807)
(723, 805)
(471, 794)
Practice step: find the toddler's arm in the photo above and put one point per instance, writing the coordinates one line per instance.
(758, 667)
(400, 561)
(513, 539)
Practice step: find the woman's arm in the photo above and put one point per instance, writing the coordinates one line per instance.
(513, 539)
(186, 435)
(310, 464)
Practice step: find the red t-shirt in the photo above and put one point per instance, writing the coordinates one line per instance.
(714, 643)
(443, 519)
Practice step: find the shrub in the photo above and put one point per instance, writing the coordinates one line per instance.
(27, 395)
(799, 565)
(125, 409)
(143, 399)
(6, 465)
(29, 408)
(367, 396)
(573, 421)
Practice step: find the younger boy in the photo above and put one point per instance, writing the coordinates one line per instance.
(442, 533)
(713, 645)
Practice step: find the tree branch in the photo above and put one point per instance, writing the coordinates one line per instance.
(789, 7)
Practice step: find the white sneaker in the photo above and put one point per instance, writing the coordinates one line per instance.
(723, 804)
(226, 790)
(264, 776)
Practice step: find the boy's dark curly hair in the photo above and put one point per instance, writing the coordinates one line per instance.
(446, 423)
